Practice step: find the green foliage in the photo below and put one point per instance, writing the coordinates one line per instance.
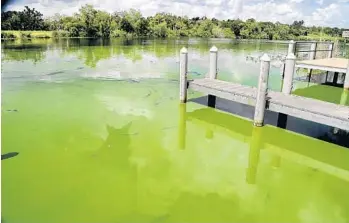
(11, 34)
(90, 22)
(7, 35)
(28, 19)
(60, 34)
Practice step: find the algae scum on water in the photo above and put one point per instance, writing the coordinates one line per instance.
(92, 131)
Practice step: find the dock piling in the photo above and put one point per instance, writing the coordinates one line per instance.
(213, 62)
(291, 47)
(262, 91)
(312, 53)
(289, 72)
(183, 71)
(211, 99)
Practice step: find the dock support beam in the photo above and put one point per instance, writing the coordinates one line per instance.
(183, 71)
(289, 72)
(211, 99)
(262, 91)
(346, 80)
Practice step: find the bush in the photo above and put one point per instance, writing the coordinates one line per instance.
(118, 33)
(41, 34)
(5, 35)
(60, 34)
(24, 35)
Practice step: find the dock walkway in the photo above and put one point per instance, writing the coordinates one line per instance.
(262, 98)
(306, 108)
(339, 65)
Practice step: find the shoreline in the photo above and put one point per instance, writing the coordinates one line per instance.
(38, 34)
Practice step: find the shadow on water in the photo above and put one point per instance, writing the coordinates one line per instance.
(9, 155)
(297, 125)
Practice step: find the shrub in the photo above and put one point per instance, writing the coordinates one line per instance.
(60, 34)
(24, 35)
(118, 33)
(5, 35)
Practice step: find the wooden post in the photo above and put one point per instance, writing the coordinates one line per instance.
(346, 80)
(330, 50)
(291, 47)
(183, 70)
(262, 91)
(211, 99)
(213, 62)
(289, 72)
(287, 84)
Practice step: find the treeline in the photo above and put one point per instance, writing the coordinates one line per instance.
(90, 22)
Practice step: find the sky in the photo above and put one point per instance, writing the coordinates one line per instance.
(334, 13)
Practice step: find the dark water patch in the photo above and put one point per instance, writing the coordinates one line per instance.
(54, 73)
(11, 110)
(194, 73)
(8, 156)
(311, 129)
(168, 128)
(147, 95)
(24, 47)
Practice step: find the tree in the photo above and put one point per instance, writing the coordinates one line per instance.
(28, 19)
(88, 18)
(89, 22)
(205, 28)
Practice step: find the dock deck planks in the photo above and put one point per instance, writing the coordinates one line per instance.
(305, 108)
(329, 64)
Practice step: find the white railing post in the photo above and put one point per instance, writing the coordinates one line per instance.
(262, 91)
(330, 50)
(346, 80)
(213, 63)
(289, 72)
(312, 51)
(183, 70)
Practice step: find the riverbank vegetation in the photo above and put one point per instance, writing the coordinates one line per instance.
(90, 22)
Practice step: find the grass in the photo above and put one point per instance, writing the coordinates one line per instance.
(10, 34)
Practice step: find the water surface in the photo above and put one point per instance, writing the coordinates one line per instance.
(99, 136)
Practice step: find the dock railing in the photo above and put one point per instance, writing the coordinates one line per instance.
(310, 50)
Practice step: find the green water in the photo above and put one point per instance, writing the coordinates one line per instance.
(101, 137)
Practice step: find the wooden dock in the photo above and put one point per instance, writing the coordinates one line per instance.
(310, 109)
(261, 98)
(339, 65)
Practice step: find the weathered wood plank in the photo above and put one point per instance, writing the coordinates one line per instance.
(328, 64)
(300, 107)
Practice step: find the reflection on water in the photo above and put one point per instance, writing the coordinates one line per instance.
(101, 138)
(253, 157)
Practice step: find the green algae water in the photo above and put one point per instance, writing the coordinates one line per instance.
(95, 133)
